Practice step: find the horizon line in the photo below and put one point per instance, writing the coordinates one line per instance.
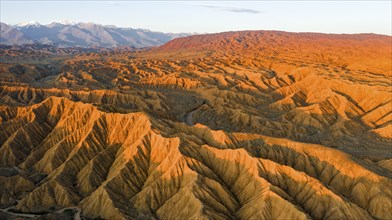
(193, 33)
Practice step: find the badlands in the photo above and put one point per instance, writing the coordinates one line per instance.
(235, 125)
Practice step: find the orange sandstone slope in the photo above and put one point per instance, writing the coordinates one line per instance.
(360, 51)
(118, 166)
(224, 126)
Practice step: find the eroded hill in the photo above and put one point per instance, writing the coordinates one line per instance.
(225, 126)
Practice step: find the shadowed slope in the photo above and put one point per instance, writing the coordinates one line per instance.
(118, 166)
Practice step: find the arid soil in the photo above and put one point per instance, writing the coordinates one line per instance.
(237, 125)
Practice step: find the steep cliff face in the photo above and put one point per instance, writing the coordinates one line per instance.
(227, 126)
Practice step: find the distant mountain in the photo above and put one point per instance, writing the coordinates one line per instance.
(10, 35)
(69, 34)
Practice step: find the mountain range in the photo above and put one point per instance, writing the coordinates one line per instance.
(70, 34)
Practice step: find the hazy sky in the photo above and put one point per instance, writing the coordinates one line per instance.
(211, 16)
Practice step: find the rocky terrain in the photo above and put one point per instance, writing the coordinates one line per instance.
(236, 125)
(81, 35)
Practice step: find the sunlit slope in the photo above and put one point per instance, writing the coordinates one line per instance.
(123, 166)
(370, 52)
(222, 126)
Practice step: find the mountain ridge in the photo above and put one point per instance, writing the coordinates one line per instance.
(82, 34)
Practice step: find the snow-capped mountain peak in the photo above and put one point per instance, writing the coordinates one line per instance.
(82, 34)
(30, 23)
(62, 23)
(67, 22)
